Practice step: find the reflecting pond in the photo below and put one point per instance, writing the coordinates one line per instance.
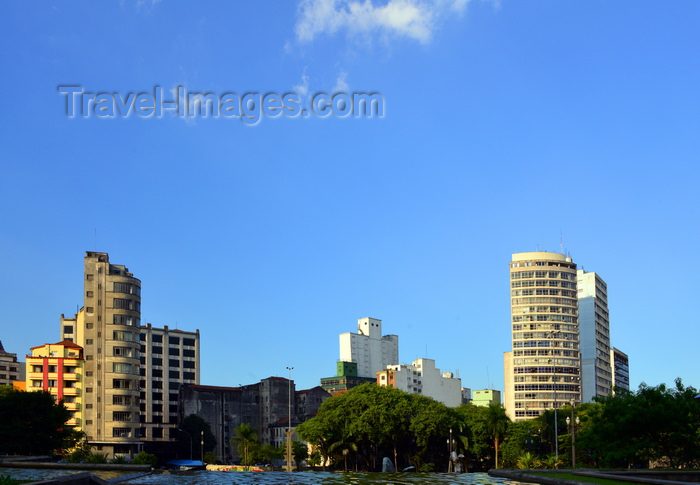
(276, 478)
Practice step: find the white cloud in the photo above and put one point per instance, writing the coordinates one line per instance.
(415, 19)
(341, 85)
(302, 89)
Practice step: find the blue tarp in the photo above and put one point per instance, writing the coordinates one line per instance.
(185, 463)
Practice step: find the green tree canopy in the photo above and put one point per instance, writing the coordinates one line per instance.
(33, 423)
(193, 426)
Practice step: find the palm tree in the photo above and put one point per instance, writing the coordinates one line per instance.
(247, 440)
(496, 424)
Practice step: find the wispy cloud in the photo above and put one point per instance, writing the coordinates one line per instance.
(413, 19)
(341, 85)
(302, 89)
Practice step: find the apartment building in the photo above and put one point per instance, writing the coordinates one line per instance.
(422, 377)
(594, 329)
(10, 369)
(621, 369)
(58, 369)
(543, 369)
(169, 358)
(368, 348)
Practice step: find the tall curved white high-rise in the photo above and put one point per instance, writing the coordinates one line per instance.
(543, 369)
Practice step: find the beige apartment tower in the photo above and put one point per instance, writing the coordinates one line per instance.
(543, 369)
(107, 327)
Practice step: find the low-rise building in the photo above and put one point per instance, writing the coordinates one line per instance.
(10, 369)
(58, 369)
(264, 406)
(485, 397)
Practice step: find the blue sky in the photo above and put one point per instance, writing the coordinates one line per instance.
(508, 127)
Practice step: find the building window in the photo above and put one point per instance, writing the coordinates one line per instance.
(122, 335)
(121, 368)
(174, 363)
(188, 341)
(68, 329)
(174, 340)
(122, 384)
(121, 433)
(188, 353)
(173, 351)
(123, 352)
(89, 325)
(188, 364)
(157, 349)
(36, 383)
(174, 374)
(157, 338)
(188, 376)
(121, 416)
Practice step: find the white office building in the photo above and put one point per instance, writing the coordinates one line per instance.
(368, 348)
(594, 329)
(422, 377)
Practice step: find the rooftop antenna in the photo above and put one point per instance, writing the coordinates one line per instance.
(561, 243)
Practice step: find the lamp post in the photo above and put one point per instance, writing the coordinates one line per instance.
(449, 463)
(552, 335)
(202, 443)
(573, 423)
(289, 423)
(190, 437)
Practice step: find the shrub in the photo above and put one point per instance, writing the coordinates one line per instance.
(119, 459)
(144, 458)
(97, 458)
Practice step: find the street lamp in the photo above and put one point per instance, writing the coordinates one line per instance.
(289, 424)
(202, 443)
(449, 463)
(190, 437)
(556, 425)
(572, 424)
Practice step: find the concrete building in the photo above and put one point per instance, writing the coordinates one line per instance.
(486, 397)
(621, 369)
(543, 369)
(422, 377)
(169, 359)
(346, 378)
(107, 328)
(594, 330)
(10, 369)
(368, 348)
(264, 406)
(58, 369)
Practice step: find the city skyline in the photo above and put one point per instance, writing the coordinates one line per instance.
(508, 126)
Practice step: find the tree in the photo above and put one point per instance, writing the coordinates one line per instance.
(33, 423)
(651, 424)
(193, 426)
(497, 424)
(248, 443)
(300, 451)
